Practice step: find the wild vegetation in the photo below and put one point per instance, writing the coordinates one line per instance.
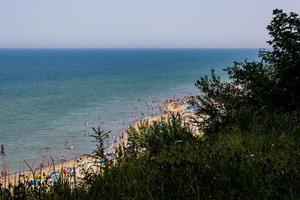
(250, 148)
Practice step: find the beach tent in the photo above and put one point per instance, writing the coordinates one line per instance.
(54, 177)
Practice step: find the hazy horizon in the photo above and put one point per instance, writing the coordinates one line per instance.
(145, 48)
(136, 24)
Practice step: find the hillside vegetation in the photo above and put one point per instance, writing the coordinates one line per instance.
(250, 148)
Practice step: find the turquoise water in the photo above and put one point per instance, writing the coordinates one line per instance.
(48, 96)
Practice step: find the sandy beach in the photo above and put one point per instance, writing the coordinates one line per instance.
(173, 106)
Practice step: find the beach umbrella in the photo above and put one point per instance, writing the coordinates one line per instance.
(54, 177)
(111, 154)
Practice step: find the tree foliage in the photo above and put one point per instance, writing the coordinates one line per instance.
(270, 84)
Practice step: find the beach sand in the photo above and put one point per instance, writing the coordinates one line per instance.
(170, 107)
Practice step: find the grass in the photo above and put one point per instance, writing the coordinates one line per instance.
(256, 157)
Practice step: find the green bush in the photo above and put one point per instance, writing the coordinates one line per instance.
(253, 162)
(258, 159)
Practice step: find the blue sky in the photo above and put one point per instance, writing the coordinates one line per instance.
(137, 23)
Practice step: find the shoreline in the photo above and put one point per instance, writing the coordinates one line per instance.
(169, 106)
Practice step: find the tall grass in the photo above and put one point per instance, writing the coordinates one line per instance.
(255, 157)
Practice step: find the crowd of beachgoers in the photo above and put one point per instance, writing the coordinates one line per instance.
(75, 169)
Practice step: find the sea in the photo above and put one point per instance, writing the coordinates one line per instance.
(51, 98)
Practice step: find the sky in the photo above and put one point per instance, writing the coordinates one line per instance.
(138, 23)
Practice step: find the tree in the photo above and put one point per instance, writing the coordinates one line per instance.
(270, 84)
(284, 60)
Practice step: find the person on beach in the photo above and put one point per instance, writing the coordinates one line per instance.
(62, 159)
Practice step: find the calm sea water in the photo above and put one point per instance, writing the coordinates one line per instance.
(48, 96)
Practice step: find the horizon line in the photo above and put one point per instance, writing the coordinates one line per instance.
(135, 48)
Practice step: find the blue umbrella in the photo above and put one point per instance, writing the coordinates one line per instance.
(54, 176)
(111, 154)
